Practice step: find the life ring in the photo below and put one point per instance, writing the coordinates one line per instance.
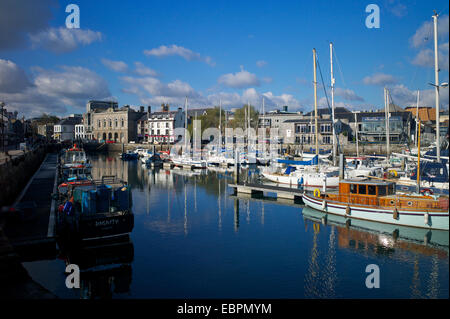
(317, 192)
(426, 191)
(393, 172)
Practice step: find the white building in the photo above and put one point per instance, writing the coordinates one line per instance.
(80, 132)
(65, 129)
(161, 125)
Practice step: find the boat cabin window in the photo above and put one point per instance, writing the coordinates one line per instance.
(353, 189)
(362, 189)
(372, 190)
(391, 189)
(382, 190)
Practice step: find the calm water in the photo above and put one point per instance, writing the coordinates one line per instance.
(193, 239)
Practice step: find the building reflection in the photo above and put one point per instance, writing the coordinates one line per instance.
(105, 269)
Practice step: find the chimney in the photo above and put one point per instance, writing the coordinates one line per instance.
(149, 109)
(141, 109)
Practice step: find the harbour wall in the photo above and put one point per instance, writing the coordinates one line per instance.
(16, 171)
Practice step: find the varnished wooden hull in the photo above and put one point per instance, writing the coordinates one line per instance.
(429, 219)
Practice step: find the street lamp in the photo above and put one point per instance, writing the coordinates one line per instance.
(3, 129)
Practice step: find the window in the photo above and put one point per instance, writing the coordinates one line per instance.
(121, 122)
(372, 190)
(353, 188)
(391, 189)
(362, 189)
(382, 191)
(326, 140)
(104, 123)
(116, 123)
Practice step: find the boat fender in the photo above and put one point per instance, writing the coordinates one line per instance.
(427, 218)
(347, 210)
(317, 192)
(324, 204)
(395, 234)
(348, 223)
(395, 213)
(301, 181)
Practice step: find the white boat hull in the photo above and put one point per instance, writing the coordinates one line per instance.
(435, 220)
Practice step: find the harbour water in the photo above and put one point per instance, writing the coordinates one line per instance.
(193, 239)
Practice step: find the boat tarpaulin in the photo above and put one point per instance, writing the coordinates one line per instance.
(313, 161)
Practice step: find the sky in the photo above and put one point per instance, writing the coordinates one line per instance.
(153, 52)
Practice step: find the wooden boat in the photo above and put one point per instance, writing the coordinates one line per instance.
(378, 201)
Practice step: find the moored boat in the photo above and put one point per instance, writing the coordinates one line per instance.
(378, 201)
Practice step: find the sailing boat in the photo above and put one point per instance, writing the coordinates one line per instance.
(186, 159)
(307, 173)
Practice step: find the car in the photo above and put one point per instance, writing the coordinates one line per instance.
(110, 142)
(132, 142)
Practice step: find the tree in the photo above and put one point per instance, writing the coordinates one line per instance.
(240, 120)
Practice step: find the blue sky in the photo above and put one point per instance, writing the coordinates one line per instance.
(231, 51)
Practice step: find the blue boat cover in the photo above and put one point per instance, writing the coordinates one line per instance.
(313, 161)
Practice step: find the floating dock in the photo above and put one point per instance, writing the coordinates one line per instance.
(31, 232)
(257, 190)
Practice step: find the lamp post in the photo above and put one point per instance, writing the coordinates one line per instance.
(438, 144)
(3, 127)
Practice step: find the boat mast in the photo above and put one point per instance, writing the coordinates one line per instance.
(386, 110)
(220, 126)
(315, 108)
(417, 114)
(436, 86)
(264, 128)
(185, 124)
(332, 104)
(418, 160)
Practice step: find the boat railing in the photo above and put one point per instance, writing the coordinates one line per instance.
(109, 180)
(393, 201)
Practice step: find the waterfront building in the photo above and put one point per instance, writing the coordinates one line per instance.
(45, 130)
(80, 132)
(92, 107)
(64, 130)
(161, 125)
(113, 124)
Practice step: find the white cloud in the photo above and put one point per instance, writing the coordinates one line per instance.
(425, 34)
(261, 63)
(403, 96)
(239, 80)
(379, 79)
(348, 95)
(12, 78)
(396, 8)
(148, 88)
(118, 66)
(52, 91)
(425, 57)
(141, 69)
(175, 50)
(61, 40)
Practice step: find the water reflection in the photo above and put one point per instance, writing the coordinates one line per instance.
(105, 269)
(189, 218)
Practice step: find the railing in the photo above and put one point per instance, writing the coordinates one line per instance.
(394, 201)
